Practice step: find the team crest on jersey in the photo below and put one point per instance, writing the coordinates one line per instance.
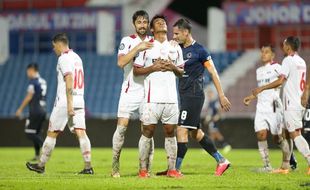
(188, 55)
(122, 46)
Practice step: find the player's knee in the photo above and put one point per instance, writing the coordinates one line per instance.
(123, 121)
(261, 135)
(169, 130)
(148, 131)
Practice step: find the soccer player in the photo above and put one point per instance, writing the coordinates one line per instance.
(192, 96)
(292, 77)
(36, 100)
(132, 92)
(269, 110)
(69, 105)
(212, 120)
(160, 65)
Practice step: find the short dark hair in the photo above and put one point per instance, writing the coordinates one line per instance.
(61, 37)
(140, 13)
(183, 23)
(293, 42)
(33, 66)
(272, 48)
(156, 17)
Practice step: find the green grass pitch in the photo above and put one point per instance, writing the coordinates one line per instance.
(198, 168)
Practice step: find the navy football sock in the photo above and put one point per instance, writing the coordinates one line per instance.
(182, 149)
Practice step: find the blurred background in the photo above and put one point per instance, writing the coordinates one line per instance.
(232, 30)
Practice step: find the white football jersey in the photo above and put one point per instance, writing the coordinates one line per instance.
(70, 63)
(264, 75)
(132, 85)
(160, 87)
(294, 70)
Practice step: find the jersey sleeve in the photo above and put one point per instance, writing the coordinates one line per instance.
(65, 66)
(285, 68)
(124, 46)
(180, 60)
(30, 88)
(204, 55)
(140, 59)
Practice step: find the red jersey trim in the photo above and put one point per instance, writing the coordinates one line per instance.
(67, 73)
(128, 85)
(149, 93)
(66, 51)
(137, 65)
(133, 36)
(181, 66)
(273, 62)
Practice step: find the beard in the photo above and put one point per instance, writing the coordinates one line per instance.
(141, 31)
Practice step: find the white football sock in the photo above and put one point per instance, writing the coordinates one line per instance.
(47, 148)
(264, 152)
(151, 155)
(171, 150)
(286, 153)
(85, 147)
(303, 147)
(144, 151)
(118, 141)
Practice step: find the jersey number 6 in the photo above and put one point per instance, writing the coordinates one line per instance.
(302, 83)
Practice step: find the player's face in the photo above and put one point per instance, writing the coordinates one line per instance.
(31, 73)
(266, 55)
(141, 25)
(57, 48)
(179, 35)
(159, 25)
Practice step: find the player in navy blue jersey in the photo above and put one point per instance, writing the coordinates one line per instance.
(35, 98)
(191, 90)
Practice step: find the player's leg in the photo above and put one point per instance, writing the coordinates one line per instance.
(207, 144)
(57, 123)
(145, 144)
(182, 139)
(32, 130)
(171, 149)
(85, 147)
(118, 141)
(275, 121)
(293, 123)
(149, 116)
(77, 126)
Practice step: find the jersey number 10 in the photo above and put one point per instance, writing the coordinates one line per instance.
(78, 79)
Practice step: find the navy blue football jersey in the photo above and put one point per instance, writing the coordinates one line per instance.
(38, 87)
(192, 81)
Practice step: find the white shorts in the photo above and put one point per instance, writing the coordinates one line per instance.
(153, 112)
(269, 121)
(293, 120)
(59, 119)
(127, 108)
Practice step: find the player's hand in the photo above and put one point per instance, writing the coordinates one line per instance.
(167, 65)
(18, 113)
(225, 104)
(256, 91)
(144, 45)
(158, 65)
(304, 98)
(247, 100)
(71, 112)
(173, 43)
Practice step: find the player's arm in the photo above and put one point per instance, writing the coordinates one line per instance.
(25, 102)
(306, 93)
(139, 70)
(69, 93)
(247, 100)
(274, 84)
(169, 66)
(124, 59)
(209, 65)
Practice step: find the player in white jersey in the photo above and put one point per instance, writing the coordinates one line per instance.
(293, 74)
(132, 92)
(269, 110)
(69, 105)
(160, 65)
